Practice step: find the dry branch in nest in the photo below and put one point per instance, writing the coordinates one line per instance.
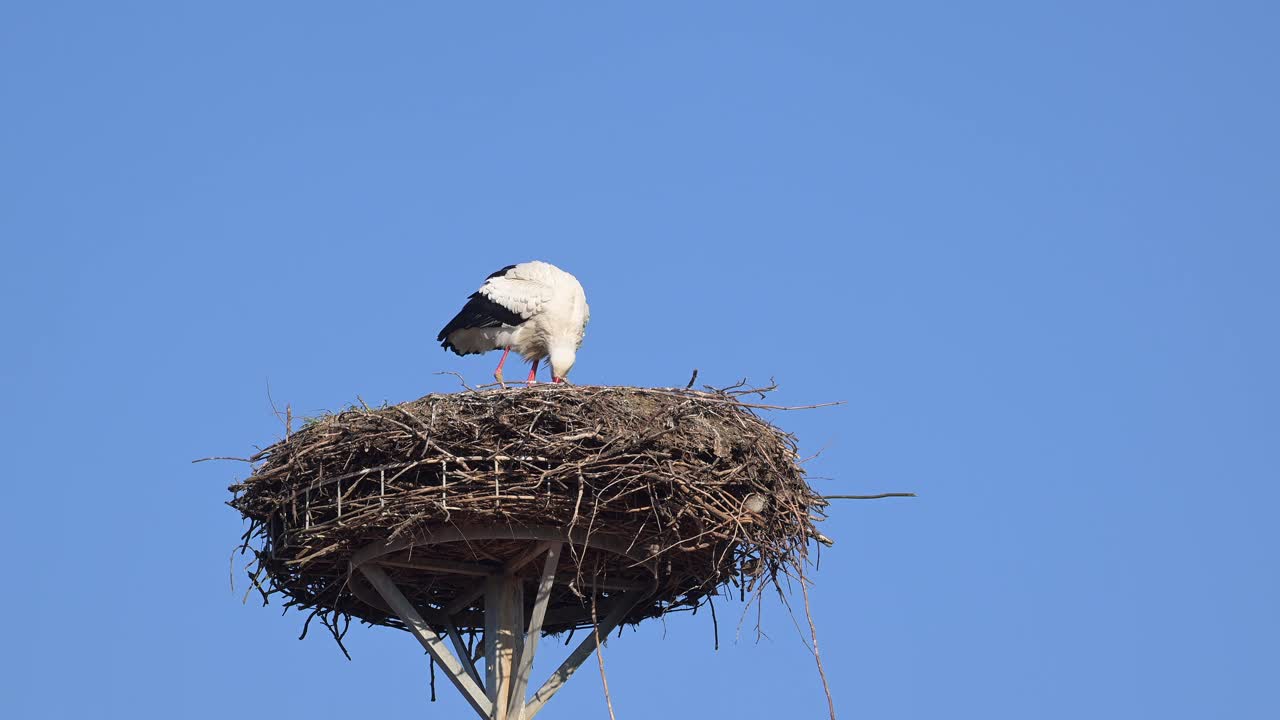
(676, 492)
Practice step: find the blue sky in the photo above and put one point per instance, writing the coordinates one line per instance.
(1033, 245)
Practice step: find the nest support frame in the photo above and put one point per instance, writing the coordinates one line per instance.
(510, 641)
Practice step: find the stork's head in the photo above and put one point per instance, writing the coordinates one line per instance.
(562, 357)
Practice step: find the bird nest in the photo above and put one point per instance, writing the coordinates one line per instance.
(676, 495)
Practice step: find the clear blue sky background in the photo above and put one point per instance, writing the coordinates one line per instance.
(1033, 245)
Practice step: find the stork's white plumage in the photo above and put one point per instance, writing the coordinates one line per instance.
(534, 308)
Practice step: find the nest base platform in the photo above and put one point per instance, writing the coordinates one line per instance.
(511, 626)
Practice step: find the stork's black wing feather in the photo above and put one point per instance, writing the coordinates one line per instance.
(500, 273)
(479, 312)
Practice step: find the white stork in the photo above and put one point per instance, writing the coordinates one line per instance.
(534, 308)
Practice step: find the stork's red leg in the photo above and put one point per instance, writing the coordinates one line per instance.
(497, 374)
(533, 373)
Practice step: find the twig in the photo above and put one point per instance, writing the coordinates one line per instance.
(715, 624)
(813, 633)
(805, 461)
(692, 379)
(222, 457)
(866, 497)
(276, 411)
(759, 406)
(461, 379)
(595, 628)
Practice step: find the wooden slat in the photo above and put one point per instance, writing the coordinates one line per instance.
(463, 599)
(521, 682)
(460, 603)
(492, 616)
(456, 608)
(504, 625)
(461, 648)
(429, 639)
(528, 556)
(440, 565)
(511, 638)
(431, 535)
(562, 674)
